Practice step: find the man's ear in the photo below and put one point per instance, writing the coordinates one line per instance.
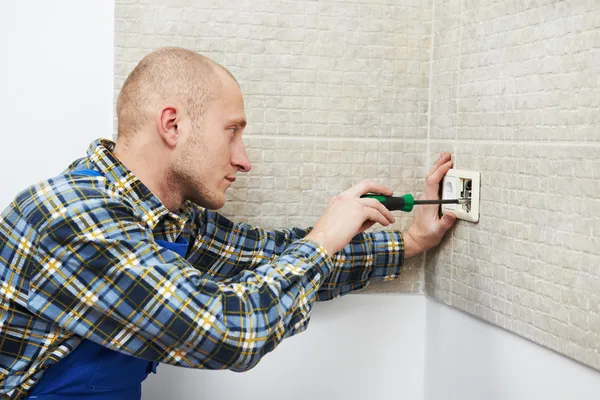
(168, 124)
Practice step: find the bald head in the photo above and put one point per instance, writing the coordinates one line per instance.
(169, 74)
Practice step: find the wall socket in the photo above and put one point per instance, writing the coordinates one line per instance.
(460, 184)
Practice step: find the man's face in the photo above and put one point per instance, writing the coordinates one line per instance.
(212, 152)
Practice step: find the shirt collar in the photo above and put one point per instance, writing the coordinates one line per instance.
(152, 210)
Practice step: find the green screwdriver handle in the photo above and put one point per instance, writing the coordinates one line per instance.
(394, 203)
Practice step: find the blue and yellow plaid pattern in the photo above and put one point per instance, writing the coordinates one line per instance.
(79, 259)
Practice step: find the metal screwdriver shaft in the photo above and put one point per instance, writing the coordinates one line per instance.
(407, 202)
(445, 201)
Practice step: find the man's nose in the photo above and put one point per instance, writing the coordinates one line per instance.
(240, 157)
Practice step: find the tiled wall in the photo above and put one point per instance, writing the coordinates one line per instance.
(516, 95)
(337, 91)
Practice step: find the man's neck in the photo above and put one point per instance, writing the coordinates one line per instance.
(148, 165)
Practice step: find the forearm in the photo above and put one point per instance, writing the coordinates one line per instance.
(411, 248)
(368, 257)
(225, 249)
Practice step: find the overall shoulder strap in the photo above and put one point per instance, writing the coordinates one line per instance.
(86, 172)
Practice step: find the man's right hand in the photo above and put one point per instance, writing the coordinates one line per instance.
(347, 215)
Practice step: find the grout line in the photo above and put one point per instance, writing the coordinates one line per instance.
(545, 143)
(429, 101)
(456, 136)
(460, 32)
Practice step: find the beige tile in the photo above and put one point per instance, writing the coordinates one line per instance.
(328, 70)
(280, 192)
(532, 258)
(523, 81)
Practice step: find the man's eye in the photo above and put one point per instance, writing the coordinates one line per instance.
(233, 130)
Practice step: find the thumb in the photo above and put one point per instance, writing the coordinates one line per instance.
(447, 221)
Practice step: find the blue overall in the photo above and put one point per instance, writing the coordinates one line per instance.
(94, 372)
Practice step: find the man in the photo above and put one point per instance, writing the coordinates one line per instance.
(118, 264)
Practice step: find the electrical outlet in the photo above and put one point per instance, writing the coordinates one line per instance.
(462, 184)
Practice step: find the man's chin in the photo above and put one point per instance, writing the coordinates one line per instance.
(211, 204)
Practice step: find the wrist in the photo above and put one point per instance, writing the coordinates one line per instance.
(320, 238)
(411, 246)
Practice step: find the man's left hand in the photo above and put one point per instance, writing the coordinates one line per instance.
(428, 229)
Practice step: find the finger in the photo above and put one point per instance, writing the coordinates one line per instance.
(436, 177)
(366, 225)
(333, 199)
(365, 187)
(432, 183)
(372, 203)
(443, 158)
(374, 214)
(447, 221)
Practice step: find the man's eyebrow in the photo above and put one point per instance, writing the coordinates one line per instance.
(241, 122)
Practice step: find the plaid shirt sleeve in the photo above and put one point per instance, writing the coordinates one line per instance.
(368, 257)
(101, 276)
(231, 248)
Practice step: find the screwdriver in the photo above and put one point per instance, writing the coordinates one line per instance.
(406, 202)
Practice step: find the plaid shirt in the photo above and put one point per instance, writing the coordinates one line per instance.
(79, 259)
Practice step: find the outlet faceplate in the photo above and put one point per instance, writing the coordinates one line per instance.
(459, 184)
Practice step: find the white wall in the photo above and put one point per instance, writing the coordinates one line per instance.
(56, 86)
(356, 347)
(468, 359)
(391, 347)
